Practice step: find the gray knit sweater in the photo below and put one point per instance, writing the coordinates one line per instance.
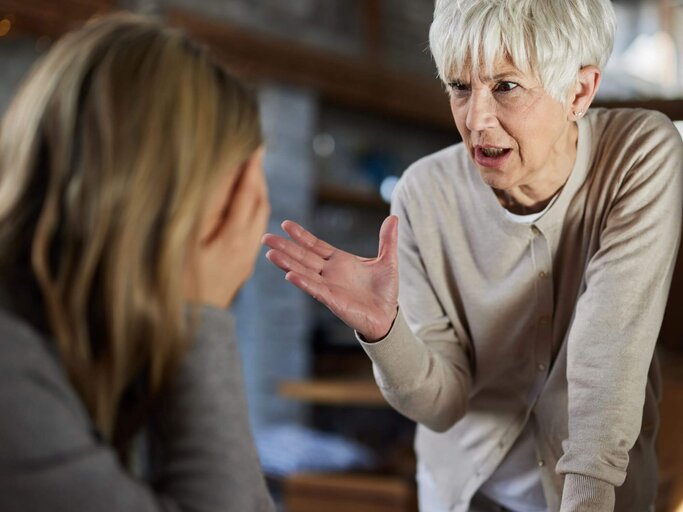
(52, 460)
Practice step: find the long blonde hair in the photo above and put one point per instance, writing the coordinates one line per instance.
(107, 156)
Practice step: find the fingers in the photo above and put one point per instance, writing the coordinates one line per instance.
(388, 239)
(284, 262)
(308, 240)
(308, 259)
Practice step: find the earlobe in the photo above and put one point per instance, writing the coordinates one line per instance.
(586, 87)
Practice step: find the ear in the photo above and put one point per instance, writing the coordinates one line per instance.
(217, 205)
(584, 91)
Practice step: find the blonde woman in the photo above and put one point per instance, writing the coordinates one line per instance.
(132, 200)
(534, 261)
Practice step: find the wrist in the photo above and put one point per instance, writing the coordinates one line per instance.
(382, 329)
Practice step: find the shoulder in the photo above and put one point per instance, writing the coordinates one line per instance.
(637, 131)
(29, 361)
(47, 415)
(636, 146)
(429, 177)
(21, 346)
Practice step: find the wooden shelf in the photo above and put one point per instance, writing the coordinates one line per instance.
(341, 492)
(340, 195)
(48, 18)
(356, 82)
(334, 392)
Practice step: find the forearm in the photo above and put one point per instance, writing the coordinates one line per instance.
(208, 457)
(417, 381)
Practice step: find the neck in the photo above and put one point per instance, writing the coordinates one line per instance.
(534, 196)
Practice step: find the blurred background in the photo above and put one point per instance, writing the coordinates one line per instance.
(349, 98)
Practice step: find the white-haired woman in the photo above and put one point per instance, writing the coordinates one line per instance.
(130, 185)
(535, 261)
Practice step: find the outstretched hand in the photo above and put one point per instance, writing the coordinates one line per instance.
(362, 292)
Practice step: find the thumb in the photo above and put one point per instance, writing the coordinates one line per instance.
(388, 240)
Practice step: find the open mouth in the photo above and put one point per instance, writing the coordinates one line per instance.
(493, 152)
(491, 156)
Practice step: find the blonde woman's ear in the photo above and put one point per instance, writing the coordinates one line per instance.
(219, 202)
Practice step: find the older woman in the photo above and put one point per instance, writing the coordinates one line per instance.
(535, 260)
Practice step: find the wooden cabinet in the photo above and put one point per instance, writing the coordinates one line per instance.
(349, 493)
(670, 442)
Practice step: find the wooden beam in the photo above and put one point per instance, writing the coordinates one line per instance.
(353, 82)
(372, 28)
(334, 392)
(48, 17)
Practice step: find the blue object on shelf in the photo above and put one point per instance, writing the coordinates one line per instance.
(288, 449)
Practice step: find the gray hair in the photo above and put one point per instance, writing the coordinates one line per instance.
(552, 39)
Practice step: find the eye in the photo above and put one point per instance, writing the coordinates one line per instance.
(505, 86)
(458, 86)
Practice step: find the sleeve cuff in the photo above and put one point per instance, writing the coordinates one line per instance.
(583, 493)
(396, 356)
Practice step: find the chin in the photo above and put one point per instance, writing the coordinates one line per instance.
(496, 179)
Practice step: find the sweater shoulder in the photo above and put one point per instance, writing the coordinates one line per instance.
(22, 347)
(634, 147)
(634, 132)
(436, 174)
(29, 361)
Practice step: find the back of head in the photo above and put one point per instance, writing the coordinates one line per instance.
(552, 39)
(107, 155)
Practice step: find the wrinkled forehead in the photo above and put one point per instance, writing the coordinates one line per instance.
(489, 68)
(488, 64)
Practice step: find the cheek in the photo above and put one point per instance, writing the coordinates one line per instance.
(459, 113)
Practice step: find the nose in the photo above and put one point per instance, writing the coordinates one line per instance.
(481, 113)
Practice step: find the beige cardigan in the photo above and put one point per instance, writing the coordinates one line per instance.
(553, 323)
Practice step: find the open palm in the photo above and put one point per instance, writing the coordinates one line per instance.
(362, 292)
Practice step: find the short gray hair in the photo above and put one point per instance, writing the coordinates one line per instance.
(552, 39)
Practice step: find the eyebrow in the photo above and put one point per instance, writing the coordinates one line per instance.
(507, 74)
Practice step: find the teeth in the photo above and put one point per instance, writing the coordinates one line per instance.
(492, 152)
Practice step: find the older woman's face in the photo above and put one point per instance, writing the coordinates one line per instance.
(516, 133)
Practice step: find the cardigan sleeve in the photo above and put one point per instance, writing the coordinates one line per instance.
(421, 366)
(617, 320)
(52, 459)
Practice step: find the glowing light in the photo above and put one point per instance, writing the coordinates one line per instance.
(5, 27)
(386, 189)
(679, 125)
